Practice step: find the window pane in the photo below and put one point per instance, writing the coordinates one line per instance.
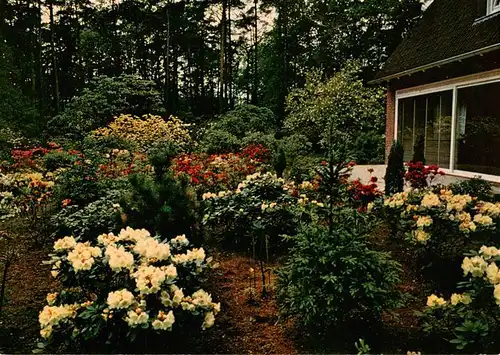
(478, 129)
(438, 129)
(405, 126)
(428, 116)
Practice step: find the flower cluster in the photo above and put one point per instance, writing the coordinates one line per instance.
(30, 159)
(434, 301)
(364, 194)
(24, 192)
(484, 266)
(220, 170)
(427, 211)
(147, 130)
(130, 278)
(419, 175)
(51, 316)
(122, 163)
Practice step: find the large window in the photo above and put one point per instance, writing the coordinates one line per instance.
(476, 121)
(427, 117)
(478, 129)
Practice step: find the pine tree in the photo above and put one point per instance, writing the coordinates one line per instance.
(394, 175)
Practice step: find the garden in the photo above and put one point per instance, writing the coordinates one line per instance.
(141, 233)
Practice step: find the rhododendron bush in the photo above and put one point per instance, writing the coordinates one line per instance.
(221, 171)
(262, 205)
(428, 216)
(121, 162)
(469, 319)
(441, 226)
(364, 194)
(123, 286)
(24, 193)
(420, 176)
(146, 131)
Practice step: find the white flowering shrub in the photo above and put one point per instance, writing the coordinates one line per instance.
(263, 205)
(123, 286)
(470, 320)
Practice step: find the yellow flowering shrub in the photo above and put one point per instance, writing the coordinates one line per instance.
(469, 320)
(432, 218)
(125, 285)
(147, 130)
(24, 193)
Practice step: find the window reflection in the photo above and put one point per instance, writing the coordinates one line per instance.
(428, 116)
(478, 129)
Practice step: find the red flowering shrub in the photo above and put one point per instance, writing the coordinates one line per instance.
(123, 163)
(419, 176)
(363, 194)
(32, 158)
(220, 170)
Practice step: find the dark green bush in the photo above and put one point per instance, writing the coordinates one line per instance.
(105, 144)
(266, 140)
(58, 159)
(104, 98)
(332, 279)
(279, 161)
(369, 148)
(98, 217)
(161, 156)
(245, 119)
(294, 146)
(160, 204)
(476, 187)
(303, 167)
(219, 141)
(238, 221)
(395, 172)
(79, 184)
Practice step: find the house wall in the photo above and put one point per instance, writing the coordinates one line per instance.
(475, 65)
(390, 119)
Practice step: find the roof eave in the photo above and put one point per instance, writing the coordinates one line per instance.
(436, 64)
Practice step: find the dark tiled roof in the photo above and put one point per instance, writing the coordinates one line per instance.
(447, 29)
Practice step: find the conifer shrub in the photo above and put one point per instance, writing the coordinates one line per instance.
(394, 175)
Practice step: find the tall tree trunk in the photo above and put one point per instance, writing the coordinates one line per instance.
(222, 68)
(256, 55)
(283, 50)
(230, 58)
(166, 64)
(175, 81)
(54, 58)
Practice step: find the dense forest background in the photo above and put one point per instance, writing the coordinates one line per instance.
(192, 58)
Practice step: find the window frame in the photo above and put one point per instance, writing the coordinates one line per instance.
(492, 7)
(450, 85)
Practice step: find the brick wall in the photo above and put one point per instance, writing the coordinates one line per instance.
(390, 116)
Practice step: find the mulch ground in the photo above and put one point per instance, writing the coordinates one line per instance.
(248, 323)
(243, 327)
(27, 285)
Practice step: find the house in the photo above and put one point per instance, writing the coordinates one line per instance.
(443, 84)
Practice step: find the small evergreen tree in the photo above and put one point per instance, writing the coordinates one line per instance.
(394, 175)
(279, 161)
(418, 149)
